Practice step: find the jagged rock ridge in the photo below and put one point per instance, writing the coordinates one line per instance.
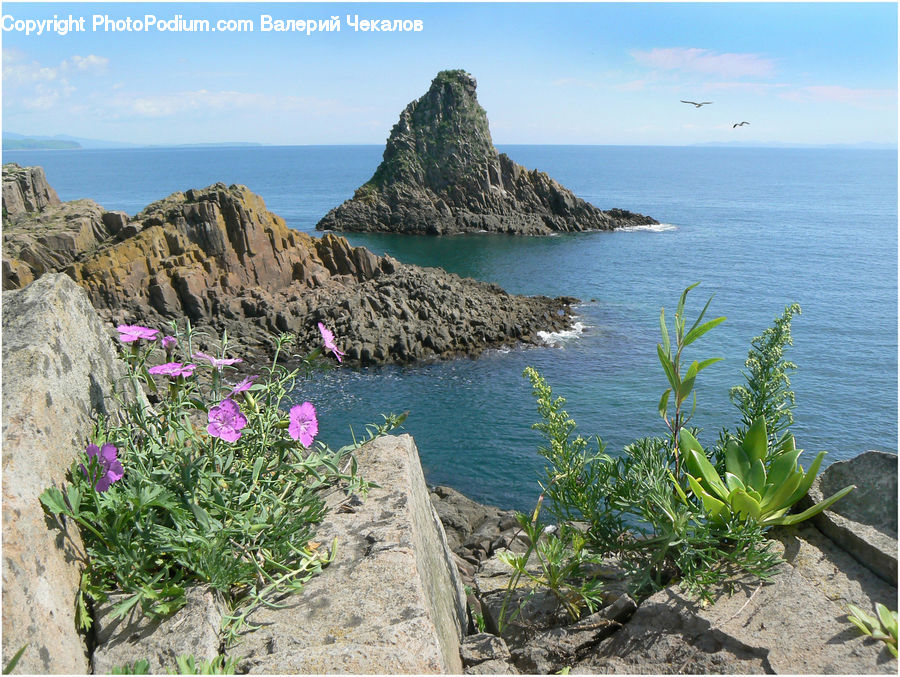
(442, 175)
(218, 257)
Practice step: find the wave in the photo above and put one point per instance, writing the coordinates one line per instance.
(553, 338)
(653, 228)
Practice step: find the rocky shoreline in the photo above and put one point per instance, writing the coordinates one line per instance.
(442, 175)
(219, 258)
(416, 583)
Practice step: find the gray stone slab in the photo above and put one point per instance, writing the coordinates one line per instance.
(58, 367)
(864, 522)
(194, 630)
(390, 602)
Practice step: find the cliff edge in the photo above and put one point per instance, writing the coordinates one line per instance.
(442, 175)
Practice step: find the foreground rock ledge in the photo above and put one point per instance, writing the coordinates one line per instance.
(390, 602)
(441, 175)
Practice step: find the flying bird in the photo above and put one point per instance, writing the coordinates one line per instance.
(694, 103)
(739, 124)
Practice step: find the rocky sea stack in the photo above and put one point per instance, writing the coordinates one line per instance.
(441, 175)
(218, 257)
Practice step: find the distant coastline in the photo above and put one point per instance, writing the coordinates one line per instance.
(13, 141)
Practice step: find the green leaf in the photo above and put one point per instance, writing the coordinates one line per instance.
(664, 402)
(14, 660)
(813, 511)
(756, 441)
(888, 618)
(757, 477)
(257, 468)
(859, 624)
(668, 367)
(713, 506)
(733, 482)
(684, 390)
(678, 488)
(74, 497)
(808, 478)
(779, 498)
(744, 505)
(783, 466)
(697, 462)
(862, 617)
(683, 298)
(666, 344)
(697, 332)
(53, 501)
(736, 461)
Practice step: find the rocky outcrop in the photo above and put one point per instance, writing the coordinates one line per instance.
(25, 189)
(391, 600)
(441, 175)
(794, 624)
(58, 367)
(218, 257)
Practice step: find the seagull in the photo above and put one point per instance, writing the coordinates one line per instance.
(739, 124)
(694, 103)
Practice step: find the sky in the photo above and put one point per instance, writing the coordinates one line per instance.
(548, 73)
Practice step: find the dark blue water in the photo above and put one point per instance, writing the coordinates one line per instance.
(760, 227)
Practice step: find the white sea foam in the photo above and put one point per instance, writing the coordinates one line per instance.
(652, 227)
(553, 338)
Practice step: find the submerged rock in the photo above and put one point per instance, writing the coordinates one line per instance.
(441, 175)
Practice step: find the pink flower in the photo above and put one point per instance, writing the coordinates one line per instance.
(168, 342)
(216, 362)
(128, 333)
(226, 421)
(105, 467)
(244, 385)
(303, 423)
(173, 369)
(328, 340)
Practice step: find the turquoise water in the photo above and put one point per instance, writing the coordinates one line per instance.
(760, 227)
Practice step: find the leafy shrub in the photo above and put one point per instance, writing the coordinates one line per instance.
(643, 508)
(214, 484)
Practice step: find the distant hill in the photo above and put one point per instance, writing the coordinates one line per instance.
(27, 143)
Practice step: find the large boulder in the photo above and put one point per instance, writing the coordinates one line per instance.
(58, 367)
(391, 600)
(441, 175)
(864, 522)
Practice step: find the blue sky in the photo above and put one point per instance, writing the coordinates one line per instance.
(583, 73)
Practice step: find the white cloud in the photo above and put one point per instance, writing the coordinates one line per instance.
(863, 98)
(205, 101)
(696, 60)
(90, 63)
(17, 70)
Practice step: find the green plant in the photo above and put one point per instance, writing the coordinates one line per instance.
(680, 386)
(767, 394)
(184, 665)
(883, 626)
(761, 484)
(554, 561)
(641, 508)
(214, 484)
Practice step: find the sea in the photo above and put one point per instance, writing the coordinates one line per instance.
(759, 228)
